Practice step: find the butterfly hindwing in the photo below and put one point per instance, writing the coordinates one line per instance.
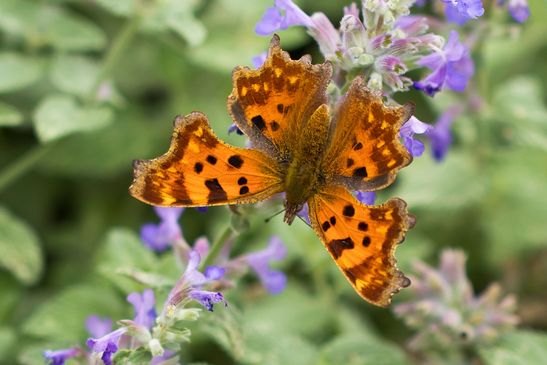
(362, 240)
(365, 152)
(201, 170)
(271, 104)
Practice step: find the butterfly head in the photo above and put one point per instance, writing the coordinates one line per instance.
(291, 211)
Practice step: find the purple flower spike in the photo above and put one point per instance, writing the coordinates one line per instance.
(282, 15)
(158, 237)
(60, 356)
(451, 66)
(207, 298)
(304, 213)
(440, 135)
(214, 272)
(366, 197)
(274, 281)
(107, 345)
(411, 127)
(97, 326)
(467, 9)
(519, 10)
(144, 305)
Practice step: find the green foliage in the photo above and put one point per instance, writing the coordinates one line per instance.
(517, 348)
(21, 251)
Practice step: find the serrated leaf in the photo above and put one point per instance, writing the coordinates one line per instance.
(354, 350)
(42, 24)
(63, 316)
(123, 251)
(452, 184)
(20, 251)
(9, 116)
(74, 74)
(18, 71)
(516, 348)
(60, 115)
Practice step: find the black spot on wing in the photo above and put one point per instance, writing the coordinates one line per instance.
(274, 125)
(349, 211)
(242, 181)
(258, 121)
(236, 161)
(211, 159)
(357, 146)
(198, 167)
(350, 162)
(336, 247)
(366, 241)
(216, 192)
(362, 226)
(243, 190)
(360, 172)
(325, 226)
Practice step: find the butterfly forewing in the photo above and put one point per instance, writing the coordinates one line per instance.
(271, 104)
(200, 170)
(365, 150)
(362, 240)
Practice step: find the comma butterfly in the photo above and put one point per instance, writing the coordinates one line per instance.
(303, 148)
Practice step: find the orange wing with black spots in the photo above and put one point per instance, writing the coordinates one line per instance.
(200, 170)
(362, 240)
(272, 104)
(365, 151)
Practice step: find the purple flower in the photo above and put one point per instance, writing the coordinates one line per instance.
(191, 283)
(304, 213)
(144, 305)
(107, 345)
(467, 9)
(366, 197)
(440, 135)
(60, 356)
(159, 237)
(273, 280)
(259, 60)
(233, 128)
(207, 298)
(451, 66)
(411, 127)
(282, 15)
(519, 10)
(97, 326)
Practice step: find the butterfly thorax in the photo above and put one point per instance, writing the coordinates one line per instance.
(304, 176)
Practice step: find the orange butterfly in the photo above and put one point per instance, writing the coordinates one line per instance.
(303, 148)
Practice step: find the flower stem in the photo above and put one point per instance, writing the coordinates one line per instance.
(217, 247)
(23, 164)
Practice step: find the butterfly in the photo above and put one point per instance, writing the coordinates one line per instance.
(314, 153)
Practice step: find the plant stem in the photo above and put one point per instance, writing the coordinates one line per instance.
(23, 164)
(217, 247)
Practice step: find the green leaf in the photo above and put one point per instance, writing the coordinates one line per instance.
(9, 116)
(517, 197)
(452, 184)
(60, 115)
(74, 74)
(8, 339)
(42, 24)
(63, 316)
(355, 350)
(516, 348)
(118, 7)
(122, 252)
(519, 106)
(293, 311)
(18, 71)
(20, 251)
(288, 349)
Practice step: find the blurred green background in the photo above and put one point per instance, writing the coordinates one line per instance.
(88, 86)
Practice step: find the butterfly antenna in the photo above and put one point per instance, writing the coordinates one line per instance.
(273, 216)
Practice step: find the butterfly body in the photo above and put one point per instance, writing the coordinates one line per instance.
(300, 146)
